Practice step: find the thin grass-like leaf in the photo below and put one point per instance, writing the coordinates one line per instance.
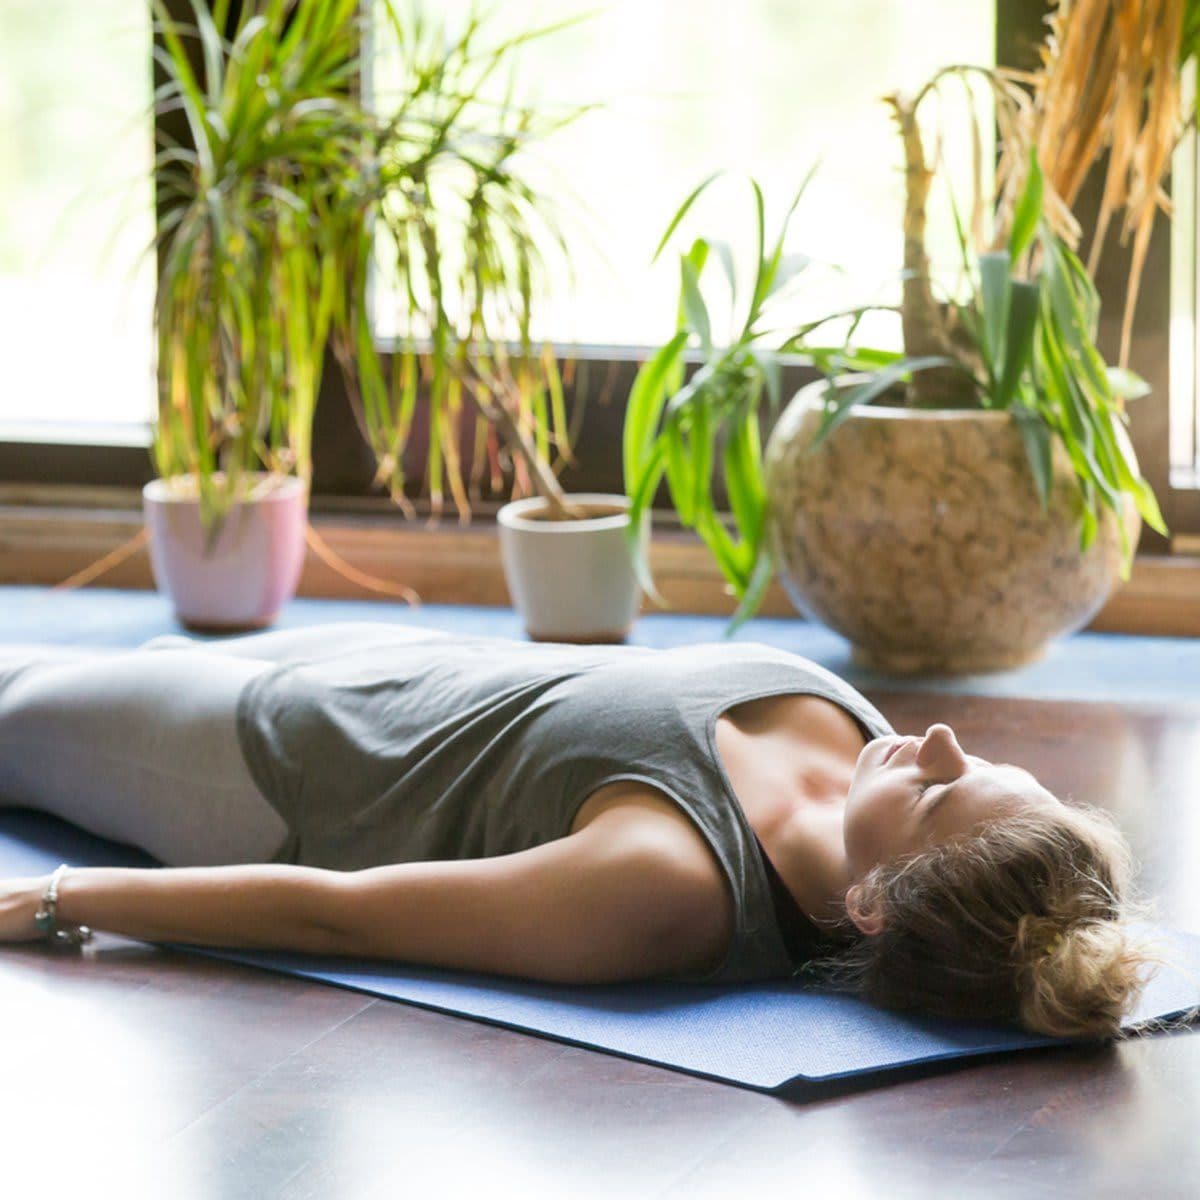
(994, 299)
(646, 399)
(694, 307)
(756, 589)
(641, 494)
(1029, 209)
(1020, 326)
(865, 393)
(681, 212)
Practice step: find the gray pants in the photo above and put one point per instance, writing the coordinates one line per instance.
(142, 747)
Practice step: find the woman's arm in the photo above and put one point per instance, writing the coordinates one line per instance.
(247, 905)
(616, 901)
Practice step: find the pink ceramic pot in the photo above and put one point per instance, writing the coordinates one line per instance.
(254, 566)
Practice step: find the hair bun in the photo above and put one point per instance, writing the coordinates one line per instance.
(1075, 979)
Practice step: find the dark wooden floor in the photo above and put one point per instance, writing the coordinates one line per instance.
(137, 1071)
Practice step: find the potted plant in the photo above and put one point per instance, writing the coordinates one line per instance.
(248, 273)
(466, 237)
(271, 223)
(673, 428)
(899, 505)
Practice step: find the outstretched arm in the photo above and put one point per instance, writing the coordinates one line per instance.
(602, 905)
(250, 905)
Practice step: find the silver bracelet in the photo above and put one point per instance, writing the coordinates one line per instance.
(46, 918)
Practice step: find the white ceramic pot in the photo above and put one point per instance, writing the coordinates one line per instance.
(254, 565)
(572, 581)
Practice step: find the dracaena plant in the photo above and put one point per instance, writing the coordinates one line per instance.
(249, 261)
(466, 239)
(672, 426)
(269, 223)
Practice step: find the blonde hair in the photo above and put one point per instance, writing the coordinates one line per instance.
(1027, 918)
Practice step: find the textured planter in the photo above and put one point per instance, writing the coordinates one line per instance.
(571, 581)
(919, 536)
(254, 565)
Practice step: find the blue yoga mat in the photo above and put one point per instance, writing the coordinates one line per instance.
(763, 1035)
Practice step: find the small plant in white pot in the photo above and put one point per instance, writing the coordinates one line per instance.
(464, 292)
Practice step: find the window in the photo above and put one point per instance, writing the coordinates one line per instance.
(759, 87)
(1185, 330)
(75, 191)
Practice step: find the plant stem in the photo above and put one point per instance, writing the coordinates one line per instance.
(929, 327)
(544, 479)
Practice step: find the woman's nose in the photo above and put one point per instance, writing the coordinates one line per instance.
(939, 741)
(943, 731)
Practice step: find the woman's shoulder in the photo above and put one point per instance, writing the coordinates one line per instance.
(688, 867)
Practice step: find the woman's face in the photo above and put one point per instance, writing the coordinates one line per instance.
(908, 793)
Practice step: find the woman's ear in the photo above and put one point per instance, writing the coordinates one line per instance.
(867, 920)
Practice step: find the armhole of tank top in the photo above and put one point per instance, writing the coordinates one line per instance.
(710, 726)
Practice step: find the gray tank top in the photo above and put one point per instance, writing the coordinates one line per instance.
(469, 747)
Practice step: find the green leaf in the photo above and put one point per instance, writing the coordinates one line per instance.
(681, 212)
(640, 499)
(771, 280)
(1074, 404)
(717, 538)
(1025, 299)
(698, 386)
(725, 254)
(845, 400)
(743, 472)
(761, 267)
(1126, 384)
(1067, 318)
(646, 399)
(995, 272)
(702, 458)
(694, 307)
(679, 471)
(836, 360)
(1036, 437)
(1029, 209)
(755, 590)
(210, 41)
(789, 266)
(1135, 485)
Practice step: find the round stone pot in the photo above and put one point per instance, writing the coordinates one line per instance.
(253, 567)
(918, 535)
(571, 581)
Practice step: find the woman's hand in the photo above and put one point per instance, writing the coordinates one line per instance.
(19, 900)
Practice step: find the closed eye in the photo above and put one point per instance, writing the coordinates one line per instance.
(932, 804)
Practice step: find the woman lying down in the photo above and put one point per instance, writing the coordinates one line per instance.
(719, 813)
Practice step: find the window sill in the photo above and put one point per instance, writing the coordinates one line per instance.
(48, 534)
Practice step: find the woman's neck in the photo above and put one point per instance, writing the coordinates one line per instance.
(808, 851)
